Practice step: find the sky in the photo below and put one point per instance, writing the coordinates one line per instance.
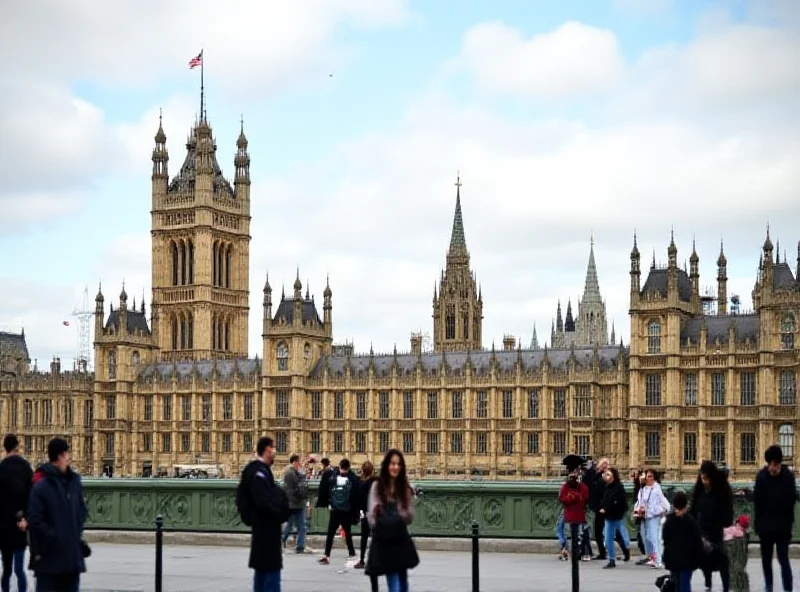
(566, 120)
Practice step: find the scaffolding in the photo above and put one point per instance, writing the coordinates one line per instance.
(709, 301)
(83, 314)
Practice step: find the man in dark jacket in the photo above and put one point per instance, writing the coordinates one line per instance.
(56, 515)
(343, 487)
(16, 481)
(774, 498)
(683, 543)
(295, 485)
(323, 491)
(270, 509)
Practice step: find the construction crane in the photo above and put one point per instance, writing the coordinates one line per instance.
(83, 313)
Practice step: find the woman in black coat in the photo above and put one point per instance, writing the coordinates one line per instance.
(712, 508)
(367, 479)
(613, 507)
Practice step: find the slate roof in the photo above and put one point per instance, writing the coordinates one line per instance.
(137, 321)
(745, 326)
(186, 177)
(432, 362)
(286, 311)
(656, 284)
(782, 276)
(13, 345)
(203, 368)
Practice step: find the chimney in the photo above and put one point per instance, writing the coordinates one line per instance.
(416, 344)
(55, 366)
(509, 343)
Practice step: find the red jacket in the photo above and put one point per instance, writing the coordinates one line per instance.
(574, 500)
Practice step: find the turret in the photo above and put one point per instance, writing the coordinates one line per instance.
(722, 282)
(267, 305)
(123, 311)
(99, 312)
(569, 323)
(160, 163)
(636, 274)
(694, 276)
(298, 299)
(327, 308)
(242, 166)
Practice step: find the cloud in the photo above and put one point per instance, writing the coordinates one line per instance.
(56, 144)
(575, 58)
(644, 6)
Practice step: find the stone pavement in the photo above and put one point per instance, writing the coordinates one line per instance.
(130, 568)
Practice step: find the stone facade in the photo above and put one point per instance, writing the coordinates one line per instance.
(720, 386)
(178, 388)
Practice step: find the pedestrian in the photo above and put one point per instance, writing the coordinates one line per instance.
(775, 496)
(652, 506)
(367, 479)
(16, 482)
(323, 490)
(712, 508)
(295, 484)
(574, 495)
(683, 543)
(343, 506)
(639, 478)
(613, 509)
(56, 516)
(390, 510)
(264, 507)
(593, 477)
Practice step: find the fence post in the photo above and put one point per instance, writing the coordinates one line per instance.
(476, 578)
(575, 556)
(159, 552)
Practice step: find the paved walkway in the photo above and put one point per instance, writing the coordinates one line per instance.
(130, 568)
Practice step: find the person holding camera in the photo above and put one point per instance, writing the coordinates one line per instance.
(651, 509)
(574, 496)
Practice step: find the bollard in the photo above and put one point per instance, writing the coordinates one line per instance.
(575, 556)
(476, 578)
(159, 551)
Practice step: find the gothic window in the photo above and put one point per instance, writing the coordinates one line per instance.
(457, 404)
(592, 328)
(408, 405)
(384, 407)
(135, 358)
(690, 389)
(787, 388)
(361, 405)
(175, 262)
(747, 388)
(718, 447)
(457, 443)
(560, 404)
(747, 448)
(787, 332)
(228, 265)
(652, 446)
(248, 409)
(174, 331)
(112, 365)
(786, 439)
(307, 352)
(433, 405)
(450, 327)
(316, 405)
(283, 357)
(189, 265)
(533, 404)
(689, 448)
(652, 389)
(654, 337)
(717, 389)
(466, 327)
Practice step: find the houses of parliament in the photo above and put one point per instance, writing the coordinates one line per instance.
(173, 384)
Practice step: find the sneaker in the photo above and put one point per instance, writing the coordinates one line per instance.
(610, 565)
(324, 561)
(586, 558)
(359, 565)
(308, 551)
(658, 566)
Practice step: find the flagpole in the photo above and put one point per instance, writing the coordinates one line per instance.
(202, 90)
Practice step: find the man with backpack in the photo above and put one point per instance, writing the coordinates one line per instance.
(264, 507)
(295, 484)
(343, 504)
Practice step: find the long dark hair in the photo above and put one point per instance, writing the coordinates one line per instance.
(720, 488)
(402, 490)
(614, 475)
(367, 471)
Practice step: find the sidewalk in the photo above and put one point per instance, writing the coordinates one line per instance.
(130, 568)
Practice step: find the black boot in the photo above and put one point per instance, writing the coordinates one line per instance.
(626, 553)
(610, 565)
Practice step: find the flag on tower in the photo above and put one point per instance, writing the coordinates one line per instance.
(196, 61)
(65, 323)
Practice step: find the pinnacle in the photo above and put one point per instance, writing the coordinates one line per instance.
(458, 242)
(591, 290)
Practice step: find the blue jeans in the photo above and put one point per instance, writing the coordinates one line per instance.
(683, 580)
(652, 537)
(611, 529)
(561, 531)
(397, 582)
(297, 518)
(267, 581)
(14, 558)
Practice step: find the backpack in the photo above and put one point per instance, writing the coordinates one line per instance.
(243, 502)
(341, 486)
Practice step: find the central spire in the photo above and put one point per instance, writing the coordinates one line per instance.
(458, 242)
(591, 289)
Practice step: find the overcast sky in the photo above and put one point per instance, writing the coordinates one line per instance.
(565, 119)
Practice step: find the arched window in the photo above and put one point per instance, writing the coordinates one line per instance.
(183, 331)
(787, 332)
(175, 262)
(283, 357)
(189, 262)
(654, 337)
(786, 439)
(189, 331)
(227, 336)
(787, 388)
(174, 323)
(112, 365)
(307, 352)
(135, 359)
(228, 264)
(466, 326)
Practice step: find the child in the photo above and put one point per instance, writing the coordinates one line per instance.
(683, 544)
(574, 495)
